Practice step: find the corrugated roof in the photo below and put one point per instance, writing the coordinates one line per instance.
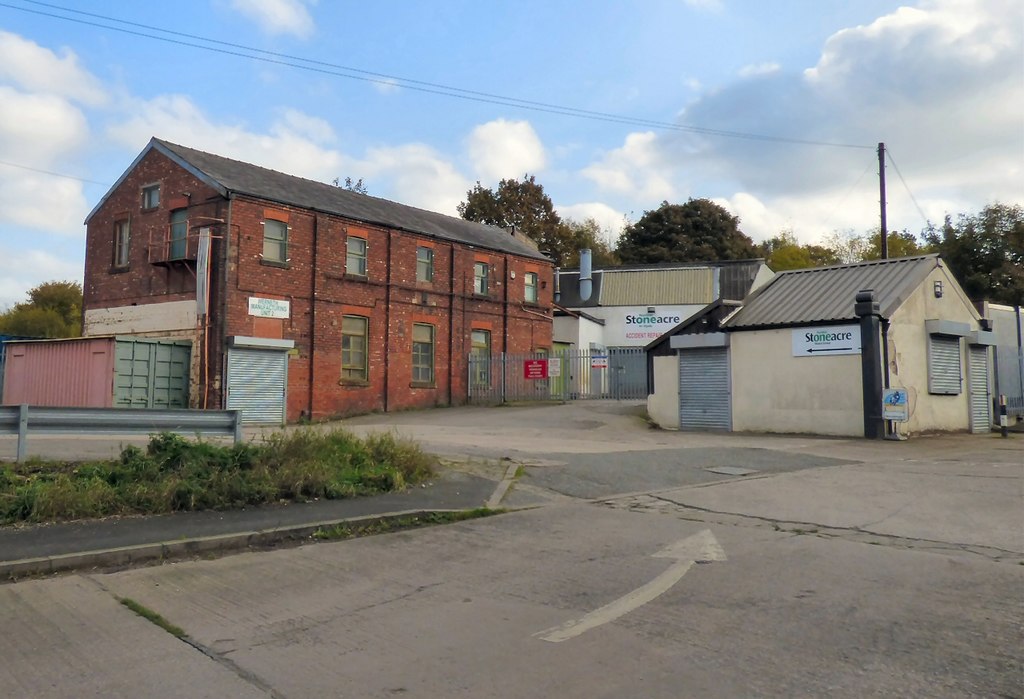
(658, 287)
(826, 294)
(234, 176)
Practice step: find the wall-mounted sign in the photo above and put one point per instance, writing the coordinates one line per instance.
(269, 308)
(554, 367)
(535, 369)
(599, 361)
(895, 405)
(826, 341)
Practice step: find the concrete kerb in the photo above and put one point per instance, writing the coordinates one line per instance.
(125, 556)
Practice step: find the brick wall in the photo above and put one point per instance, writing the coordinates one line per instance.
(321, 291)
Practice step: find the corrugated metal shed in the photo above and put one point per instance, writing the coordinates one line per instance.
(826, 294)
(235, 177)
(658, 287)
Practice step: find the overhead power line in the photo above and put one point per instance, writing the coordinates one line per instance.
(49, 172)
(334, 69)
(896, 167)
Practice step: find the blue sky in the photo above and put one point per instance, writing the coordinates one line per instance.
(941, 82)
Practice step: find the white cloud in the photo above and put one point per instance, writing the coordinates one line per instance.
(418, 175)
(386, 86)
(36, 129)
(759, 69)
(505, 149)
(636, 169)
(939, 83)
(21, 270)
(279, 16)
(610, 220)
(295, 143)
(39, 70)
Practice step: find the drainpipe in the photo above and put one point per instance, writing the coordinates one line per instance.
(866, 308)
(387, 324)
(312, 314)
(222, 350)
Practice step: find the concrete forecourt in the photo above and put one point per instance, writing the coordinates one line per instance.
(633, 562)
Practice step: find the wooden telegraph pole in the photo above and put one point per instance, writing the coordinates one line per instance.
(881, 200)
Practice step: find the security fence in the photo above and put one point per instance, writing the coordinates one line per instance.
(615, 373)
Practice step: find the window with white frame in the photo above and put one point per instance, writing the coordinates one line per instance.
(424, 264)
(355, 259)
(530, 281)
(423, 353)
(122, 235)
(275, 241)
(151, 196)
(480, 278)
(354, 343)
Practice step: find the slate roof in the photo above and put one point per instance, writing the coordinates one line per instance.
(826, 294)
(236, 177)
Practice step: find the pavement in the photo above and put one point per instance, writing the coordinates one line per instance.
(117, 542)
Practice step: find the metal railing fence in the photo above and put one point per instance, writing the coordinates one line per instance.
(616, 373)
(24, 420)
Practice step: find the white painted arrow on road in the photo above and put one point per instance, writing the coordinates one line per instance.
(699, 548)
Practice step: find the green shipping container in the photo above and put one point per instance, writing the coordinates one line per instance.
(151, 373)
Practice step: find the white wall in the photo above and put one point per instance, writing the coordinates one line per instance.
(172, 318)
(663, 404)
(617, 333)
(908, 355)
(773, 391)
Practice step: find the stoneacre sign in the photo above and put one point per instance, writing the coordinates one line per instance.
(826, 341)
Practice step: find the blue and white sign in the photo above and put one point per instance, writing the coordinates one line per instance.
(895, 404)
(826, 341)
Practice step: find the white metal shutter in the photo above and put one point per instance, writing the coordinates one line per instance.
(256, 384)
(944, 365)
(977, 386)
(704, 400)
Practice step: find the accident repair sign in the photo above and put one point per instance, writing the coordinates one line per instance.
(826, 340)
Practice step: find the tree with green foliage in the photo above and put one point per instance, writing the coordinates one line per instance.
(697, 231)
(588, 234)
(522, 206)
(54, 309)
(985, 252)
(784, 252)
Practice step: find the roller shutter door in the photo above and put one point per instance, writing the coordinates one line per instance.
(944, 365)
(256, 384)
(977, 382)
(704, 401)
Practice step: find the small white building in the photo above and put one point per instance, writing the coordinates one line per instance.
(789, 360)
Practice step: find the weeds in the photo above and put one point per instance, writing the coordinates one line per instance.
(174, 474)
(351, 530)
(150, 615)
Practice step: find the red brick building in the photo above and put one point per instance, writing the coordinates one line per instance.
(302, 298)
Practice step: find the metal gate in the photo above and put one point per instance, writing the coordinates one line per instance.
(704, 400)
(977, 387)
(257, 381)
(618, 373)
(151, 373)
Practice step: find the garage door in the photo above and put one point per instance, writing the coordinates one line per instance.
(977, 382)
(256, 384)
(704, 389)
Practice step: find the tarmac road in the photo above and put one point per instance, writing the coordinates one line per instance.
(839, 568)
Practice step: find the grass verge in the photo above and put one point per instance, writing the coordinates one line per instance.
(176, 474)
(150, 615)
(394, 524)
